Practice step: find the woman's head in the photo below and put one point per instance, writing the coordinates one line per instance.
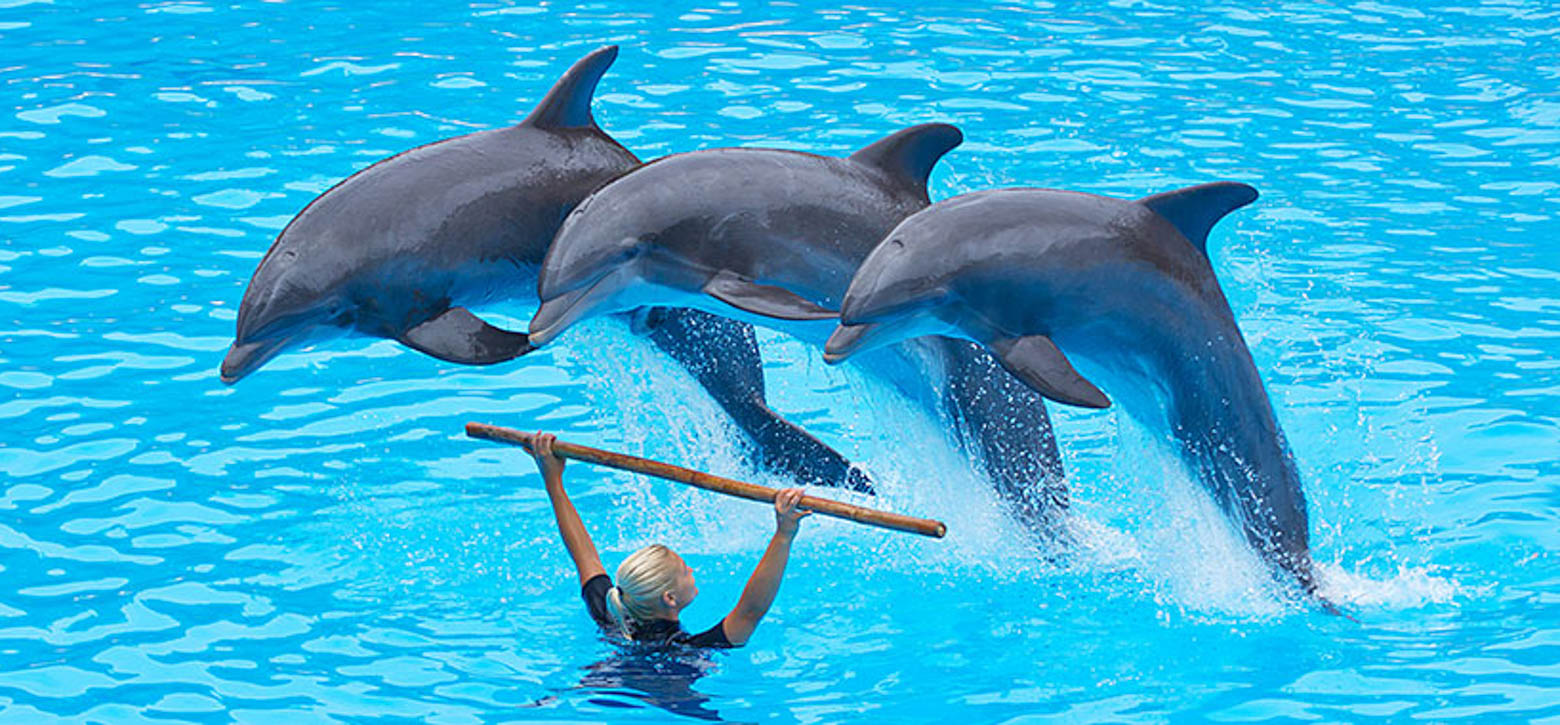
(652, 583)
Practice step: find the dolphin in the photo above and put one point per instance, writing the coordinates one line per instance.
(401, 248)
(1045, 279)
(396, 249)
(772, 237)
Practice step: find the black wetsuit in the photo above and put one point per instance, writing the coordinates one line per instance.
(658, 631)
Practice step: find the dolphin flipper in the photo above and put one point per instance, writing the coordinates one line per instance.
(1037, 361)
(761, 299)
(1195, 209)
(1006, 424)
(458, 336)
(723, 356)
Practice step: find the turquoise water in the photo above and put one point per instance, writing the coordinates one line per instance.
(321, 542)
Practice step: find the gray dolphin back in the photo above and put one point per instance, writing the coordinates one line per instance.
(769, 232)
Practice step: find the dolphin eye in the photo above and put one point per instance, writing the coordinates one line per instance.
(896, 244)
(633, 247)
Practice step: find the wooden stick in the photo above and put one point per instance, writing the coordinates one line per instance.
(711, 482)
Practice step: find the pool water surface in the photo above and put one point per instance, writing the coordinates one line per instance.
(322, 543)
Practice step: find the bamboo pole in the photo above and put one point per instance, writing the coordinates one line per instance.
(711, 482)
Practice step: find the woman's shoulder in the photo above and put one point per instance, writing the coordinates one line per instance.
(598, 583)
(595, 594)
(714, 637)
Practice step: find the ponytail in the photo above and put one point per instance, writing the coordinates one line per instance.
(641, 580)
(615, 609)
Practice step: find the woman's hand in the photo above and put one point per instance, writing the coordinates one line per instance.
(787, 516)
(547, 462)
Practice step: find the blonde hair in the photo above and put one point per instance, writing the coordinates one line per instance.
(641, 580)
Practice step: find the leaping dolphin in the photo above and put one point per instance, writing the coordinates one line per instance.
(773, 237)
(399, 249)
(1045, 279)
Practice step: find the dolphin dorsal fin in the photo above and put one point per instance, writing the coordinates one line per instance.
(1195, 209)
(567, 105)
(910, 154)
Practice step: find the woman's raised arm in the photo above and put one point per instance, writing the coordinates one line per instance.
(586, 562)
(765, 581)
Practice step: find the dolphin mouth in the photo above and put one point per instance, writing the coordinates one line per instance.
(848, 340)
(245, 358)
(557, 314)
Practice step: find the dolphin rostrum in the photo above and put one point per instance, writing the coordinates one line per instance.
(1045, 279)
(399, 249)
(773, 237)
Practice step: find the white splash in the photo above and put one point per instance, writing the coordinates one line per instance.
(1410, 588)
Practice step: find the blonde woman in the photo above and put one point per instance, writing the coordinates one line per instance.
(654, 585)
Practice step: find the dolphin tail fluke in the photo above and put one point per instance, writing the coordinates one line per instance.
(821, 465)
(461, 337)
(1041, 365)
(1330, 608)
(910, 154)
(1309, 585)
(722, 355)
(1195, 209)
(567, 105)
(1305, 576)
(1300, 566)
(1005, 424)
